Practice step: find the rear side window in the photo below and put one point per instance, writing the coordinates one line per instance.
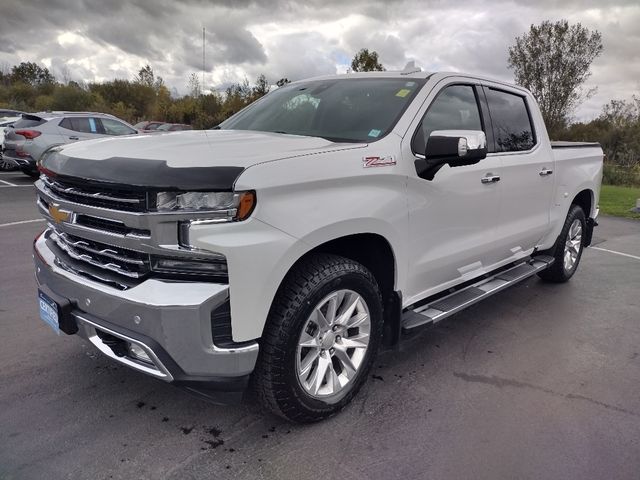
(113, 127)
(80, 124)
(455, 108)
(28, 121)
(511, 121)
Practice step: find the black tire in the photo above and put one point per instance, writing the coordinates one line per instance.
(558, 273)
(31, 173)
(275, 380)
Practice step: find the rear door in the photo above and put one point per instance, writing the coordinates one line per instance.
(452, 217)
(74, 129)
(526, 166)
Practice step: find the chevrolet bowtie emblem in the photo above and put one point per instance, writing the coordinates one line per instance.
(57, 214)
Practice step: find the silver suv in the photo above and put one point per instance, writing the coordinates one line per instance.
(36, 133)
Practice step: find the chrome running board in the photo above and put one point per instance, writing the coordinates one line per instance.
(445, 306)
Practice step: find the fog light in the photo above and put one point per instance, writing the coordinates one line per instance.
(137, 352)
(217, 265)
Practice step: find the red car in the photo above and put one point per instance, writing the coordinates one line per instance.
(173, 127)
(148, 126)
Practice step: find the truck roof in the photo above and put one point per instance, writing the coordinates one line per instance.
(414, 73)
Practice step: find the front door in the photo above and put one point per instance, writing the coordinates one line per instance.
(452, 218)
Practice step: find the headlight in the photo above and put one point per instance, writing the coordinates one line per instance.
(224, 206)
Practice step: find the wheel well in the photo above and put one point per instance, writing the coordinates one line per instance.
(374, 252)
(584, 201)
(371, 250)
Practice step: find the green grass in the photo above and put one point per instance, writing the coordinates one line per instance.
(617, 201)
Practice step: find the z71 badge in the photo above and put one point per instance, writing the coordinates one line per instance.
(378, 161)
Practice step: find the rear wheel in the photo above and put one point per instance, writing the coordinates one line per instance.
(322, 335)
(6, 166)
(568, 248)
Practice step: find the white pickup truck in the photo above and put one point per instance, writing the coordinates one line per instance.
(281, 249)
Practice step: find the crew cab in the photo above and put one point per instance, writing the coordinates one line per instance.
(282, 249)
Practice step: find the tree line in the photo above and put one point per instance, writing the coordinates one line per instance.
(32, 88)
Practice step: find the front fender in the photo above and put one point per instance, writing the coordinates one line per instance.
(312, 200)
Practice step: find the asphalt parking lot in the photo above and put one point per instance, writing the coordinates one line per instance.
(541, 381)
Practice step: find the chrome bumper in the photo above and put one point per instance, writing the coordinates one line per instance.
(170, 321)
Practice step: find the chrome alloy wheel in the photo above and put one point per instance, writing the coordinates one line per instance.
(333, 344)
(573, 245)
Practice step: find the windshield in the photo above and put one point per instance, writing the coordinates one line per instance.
(340, 110)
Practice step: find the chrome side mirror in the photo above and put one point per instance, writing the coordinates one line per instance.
(455, 148)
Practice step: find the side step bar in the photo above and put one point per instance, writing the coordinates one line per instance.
(443, 307)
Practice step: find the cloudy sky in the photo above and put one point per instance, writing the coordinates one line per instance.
(104, 39)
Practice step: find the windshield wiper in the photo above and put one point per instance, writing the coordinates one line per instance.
(330, 139)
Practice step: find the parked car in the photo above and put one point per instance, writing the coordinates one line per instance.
(5, 113)
(173, 127)
(148, 126)
(4, 123)
(34, 134)
(334, 215)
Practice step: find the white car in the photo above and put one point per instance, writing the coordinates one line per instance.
(35, 134)
(4, 123)
(329, 217)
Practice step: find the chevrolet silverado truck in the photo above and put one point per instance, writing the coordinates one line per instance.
(282, 249)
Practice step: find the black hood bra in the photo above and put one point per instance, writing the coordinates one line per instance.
(136, 172)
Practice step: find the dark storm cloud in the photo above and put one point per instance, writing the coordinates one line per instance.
(231, 44)
(100, 39)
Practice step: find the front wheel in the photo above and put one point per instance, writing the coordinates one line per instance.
(568, 248)
(320, 340)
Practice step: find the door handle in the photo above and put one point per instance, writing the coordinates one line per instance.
(545, 171)
(74, 138)
(489, 178)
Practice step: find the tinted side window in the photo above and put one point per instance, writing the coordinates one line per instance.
(511, 123)
(455, 108)
(80, 124)
(113, 127)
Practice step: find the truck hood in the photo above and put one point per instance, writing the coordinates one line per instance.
(190, 159)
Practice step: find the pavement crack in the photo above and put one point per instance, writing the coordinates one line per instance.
(573, 396)
(501, 382)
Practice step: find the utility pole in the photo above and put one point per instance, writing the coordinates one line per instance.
(202, 88)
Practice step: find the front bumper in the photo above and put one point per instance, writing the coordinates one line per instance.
(170, 321)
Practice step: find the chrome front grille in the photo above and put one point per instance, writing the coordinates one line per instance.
(91, 233)
(125, 262)
(103, 196)
(114, 246)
